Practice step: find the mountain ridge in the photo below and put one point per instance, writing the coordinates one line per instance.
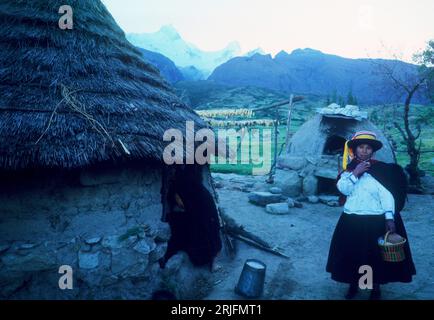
(312, 71)
(168, 42)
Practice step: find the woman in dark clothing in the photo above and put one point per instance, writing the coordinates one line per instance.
(374, 193)
(193, 218)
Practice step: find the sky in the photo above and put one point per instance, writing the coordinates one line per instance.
(349, 28)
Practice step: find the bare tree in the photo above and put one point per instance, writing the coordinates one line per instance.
(406, 83)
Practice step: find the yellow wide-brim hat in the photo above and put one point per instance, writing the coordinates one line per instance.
(359, 138)
(365, 137)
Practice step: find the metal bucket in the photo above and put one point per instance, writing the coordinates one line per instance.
(251, 282)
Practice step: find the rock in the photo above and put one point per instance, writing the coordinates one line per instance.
(245, 189)
(328, 173)
(88, 260)
(142, 234)
(260, 186)
(27, 246)
(162, 234)
(85, 248)
(302, 174)
(174, 263)
(144, 246)
(193, 283)
(263, 198)
(121, 260)
(325, 199)
(128, 242)
(333, 203)
(290, 202)
(11, 284)
(136, 270)
(216, 176)
(313, 199)
(4, 247)
(277, 208)
(92, 241)
(275, 190)
(301, 199)
(289, 182)
(334, 106)
(312, 160)
(112, 242)
(34, 260)
(291, 162)
(310, 185)
(218, 184)
(298, 204)
(158, 253)
(109, 280)
(128, 262)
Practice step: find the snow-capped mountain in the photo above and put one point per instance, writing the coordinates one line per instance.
(255, 51)
(168, 42)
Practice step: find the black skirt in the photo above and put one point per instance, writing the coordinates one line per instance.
(355, 243)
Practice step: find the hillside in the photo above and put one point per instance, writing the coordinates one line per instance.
(314, 72)
(167, 68)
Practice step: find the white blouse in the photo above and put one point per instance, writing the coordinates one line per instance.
(365, 195)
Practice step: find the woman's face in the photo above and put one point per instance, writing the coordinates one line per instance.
(364, 152)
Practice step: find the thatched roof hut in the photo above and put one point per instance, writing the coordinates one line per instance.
(71, 98)
(82, 182)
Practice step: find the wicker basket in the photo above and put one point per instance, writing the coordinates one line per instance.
(392, 252)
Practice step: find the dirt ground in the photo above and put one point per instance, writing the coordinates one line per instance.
(304, 235)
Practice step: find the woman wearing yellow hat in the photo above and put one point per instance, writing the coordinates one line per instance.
(373, 194)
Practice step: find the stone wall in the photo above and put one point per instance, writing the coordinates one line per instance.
(298, 175)
(105, 224)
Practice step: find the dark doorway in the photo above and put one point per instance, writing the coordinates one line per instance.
(192, 216)
(334, 145)
(327, 186)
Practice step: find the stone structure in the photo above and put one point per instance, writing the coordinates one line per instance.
(315, 152)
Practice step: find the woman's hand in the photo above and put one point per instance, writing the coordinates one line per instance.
(361, 168)
(390, 226)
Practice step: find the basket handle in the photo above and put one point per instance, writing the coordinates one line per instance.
(385, 236)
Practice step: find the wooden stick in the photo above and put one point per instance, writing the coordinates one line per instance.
(231, 228)
(295, 99)
(259, 246)
(288, 123)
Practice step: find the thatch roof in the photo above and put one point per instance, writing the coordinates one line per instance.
(71, 98)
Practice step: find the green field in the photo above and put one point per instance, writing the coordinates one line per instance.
(208, 95)
(380, 117)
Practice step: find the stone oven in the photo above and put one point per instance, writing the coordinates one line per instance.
(315, 151)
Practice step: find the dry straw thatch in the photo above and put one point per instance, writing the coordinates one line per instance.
(72, 98)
